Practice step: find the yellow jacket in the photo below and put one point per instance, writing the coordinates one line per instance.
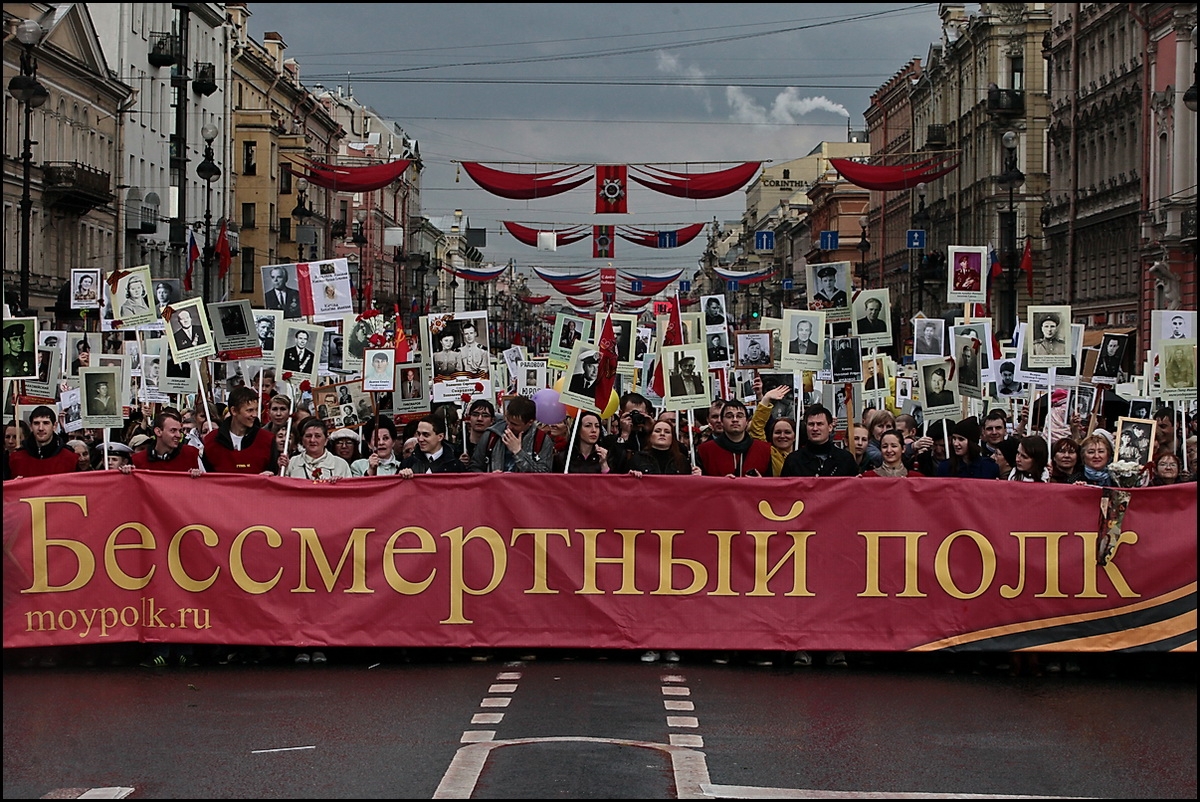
(758, 430)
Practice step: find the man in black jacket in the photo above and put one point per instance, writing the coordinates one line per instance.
(819, 456)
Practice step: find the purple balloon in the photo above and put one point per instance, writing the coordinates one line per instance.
(549, 409)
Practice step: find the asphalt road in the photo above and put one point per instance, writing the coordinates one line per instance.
(600, 728)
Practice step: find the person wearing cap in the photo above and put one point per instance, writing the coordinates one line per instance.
(685, 380)
(1178, 331)
(966, 461)
(936, 394)
(140, 442)
(754, 355)
(18, 351)
(1005, 456)
(828, 295)
(382, 460)
(101, 401)
(42, 454)
(113, 456)
(1049, 343)
(584, 382)
(344, 443)
(1008, 385)
(169, 452)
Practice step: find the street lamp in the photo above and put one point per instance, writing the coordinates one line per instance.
(208, 171)
(300, 215)
(1189, 97)
(1010, 178)
(360, 239)
(27, 91)
(864, 245)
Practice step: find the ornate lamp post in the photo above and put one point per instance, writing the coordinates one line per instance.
(27, 91)
(1010, 178)
(208, 171)
(864, 246)
(300, 216)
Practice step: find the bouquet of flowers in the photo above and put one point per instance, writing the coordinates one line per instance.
(1127, 473)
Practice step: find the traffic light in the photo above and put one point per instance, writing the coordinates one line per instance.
(754, 312)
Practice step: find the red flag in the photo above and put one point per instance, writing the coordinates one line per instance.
(672, 336)
(997, 269)
(193, 256)
(602, 242)
(611, 186)
(224, 257)
(1027, 266)
(608, 363)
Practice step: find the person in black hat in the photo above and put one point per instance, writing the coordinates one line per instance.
(965, 460)
(584, 382)
(685, 380)
(828, 295)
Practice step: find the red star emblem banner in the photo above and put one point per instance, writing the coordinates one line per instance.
(602, 242)
(612, 189)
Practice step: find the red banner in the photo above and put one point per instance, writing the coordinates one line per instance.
(602, 242)
(612, 189)
(578, 561)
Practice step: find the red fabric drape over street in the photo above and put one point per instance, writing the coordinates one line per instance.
(529, 236)
(526, 186)
(354, 179)
(698, 186)
(887, 178)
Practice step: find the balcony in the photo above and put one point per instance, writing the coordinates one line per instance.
(164, 49)
(205, 82)
(1005, 102)
(75, 187)
(935, 137)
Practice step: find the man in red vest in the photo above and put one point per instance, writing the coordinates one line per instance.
(169, 452)
(43, 454)
(240, 444)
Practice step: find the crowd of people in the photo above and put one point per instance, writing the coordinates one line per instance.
(272, 436)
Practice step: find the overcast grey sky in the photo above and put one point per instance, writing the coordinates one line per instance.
(613, 84)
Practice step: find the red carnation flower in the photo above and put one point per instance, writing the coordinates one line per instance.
(479, 387)
(305, 386)
(377, 340)
(466, 398)
(287, 377)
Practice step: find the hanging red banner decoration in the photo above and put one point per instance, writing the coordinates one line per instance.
(698, 186)
(534, 300)
(602, 242)
(353, 179)
(894, 177)
(660, 239)
(612, 189)
(580, 303)
(529, 236)
(526, 186)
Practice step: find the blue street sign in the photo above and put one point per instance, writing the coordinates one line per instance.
(685, 285)
(635, 285)
(764, 240)
(915, 237)
(829, 240)
(788, 285)
(731, 285)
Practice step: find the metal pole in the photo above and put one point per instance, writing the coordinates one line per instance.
(208, 250)
(26, 208)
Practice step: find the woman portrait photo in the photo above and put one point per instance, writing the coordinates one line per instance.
(86, 284)
(135, 300)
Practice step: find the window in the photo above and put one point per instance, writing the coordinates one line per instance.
(285, 228)
(249, 154)
(285, 179)
(248, 269)
(248, 215)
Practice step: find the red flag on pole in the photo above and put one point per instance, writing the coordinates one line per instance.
(672, 336)
(193, 256)
(224, 257)
(608, 362)
(1027, 266)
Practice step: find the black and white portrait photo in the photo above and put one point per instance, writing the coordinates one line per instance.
(754, 349)
(714, 311)
(1135, 440)
(1110, 357)
(929, 337)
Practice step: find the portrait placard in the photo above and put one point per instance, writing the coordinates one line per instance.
(1177, 377)
(411, 394)
(178, 378)
(325, 291)
(20, 348)
(188, 332)
(753, 349)
(297, 347)
(827, 289)
(929, 338)
(717, 348)
(568, 330)
(625, 330)
(266, 324)
(686, 373)
(714, 312)
(1110, 358)
(49, 365)
(343, 405)
(85, 288)
(379, 374)
(166, 292)
(1135, 439)
(128, 293)
(70, 410)
(580, 378)
(151, 390)
(939, 389)
(99, 387)
(280, 290)
(1048, 330)
(970, 349)
(234, 334)
(805, 331)
(531, 377)
(872, 318)
(845, 363)
(966, 267)
(460, 358)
